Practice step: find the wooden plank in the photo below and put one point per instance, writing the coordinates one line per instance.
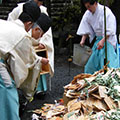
(102, 91)
(96, 96)
(45, 69)
(74, 105)
(118, 104)
(110, 103)
(40, 50)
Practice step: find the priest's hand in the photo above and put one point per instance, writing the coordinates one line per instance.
(82, 42)
(100, 44)
(41, 46)
(44, 61)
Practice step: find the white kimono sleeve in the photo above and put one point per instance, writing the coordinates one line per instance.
(110, 23)
(15, 12)
(25, 66)
(47, 40)
(110, 27)
(43, 9)
(85, 28)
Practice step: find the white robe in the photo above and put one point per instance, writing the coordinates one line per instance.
(93, 24)
(47, 38)
(16, 47)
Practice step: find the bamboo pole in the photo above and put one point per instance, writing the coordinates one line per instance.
(105, 60)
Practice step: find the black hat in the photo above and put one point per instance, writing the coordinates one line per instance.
(32, 9)
(44, 22)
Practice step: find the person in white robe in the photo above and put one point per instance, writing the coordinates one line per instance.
(46, 41)
(17, 60)
(91, 25)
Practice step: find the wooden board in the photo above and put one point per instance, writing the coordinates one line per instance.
(43, 53)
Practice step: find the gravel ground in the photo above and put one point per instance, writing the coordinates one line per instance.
(63, 75)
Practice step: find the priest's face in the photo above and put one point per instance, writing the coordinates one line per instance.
(28, 25)
(91, 8)
(37, 33)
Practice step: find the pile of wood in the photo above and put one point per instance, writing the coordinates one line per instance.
(87, 97)
(51, 111)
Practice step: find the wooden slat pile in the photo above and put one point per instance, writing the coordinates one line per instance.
(95, 97)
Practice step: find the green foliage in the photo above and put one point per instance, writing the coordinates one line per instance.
(113, 93)
(107, 2)
(110, 82)
(113, 116)
(70, 14)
